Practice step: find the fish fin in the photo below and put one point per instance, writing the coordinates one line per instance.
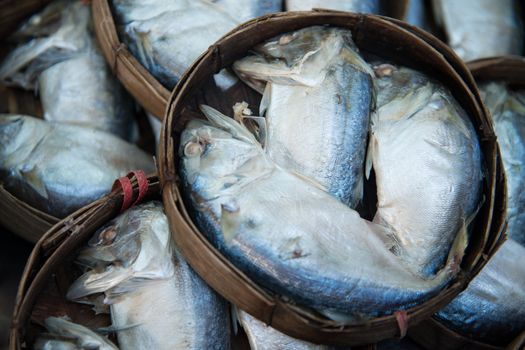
(221, 121)
(114, 329)
(63, 327)
(229, 220)
(32, 178)
(265, 100)
(369, 162)
(145, 49)
(309, 180)
(242, 114)
(357, 194)
(92, 282)
(338, 316)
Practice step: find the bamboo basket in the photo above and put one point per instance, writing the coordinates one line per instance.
(146, 90)
(50, 270)
(432, 333)
(13, 11)
(381, 36)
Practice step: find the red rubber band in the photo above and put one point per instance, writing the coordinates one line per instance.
(127, 190)
(142, 182)
(402, 322)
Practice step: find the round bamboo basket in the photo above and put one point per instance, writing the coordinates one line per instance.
(431, 333)
(146, 90)
(375, 35)
(50, 269)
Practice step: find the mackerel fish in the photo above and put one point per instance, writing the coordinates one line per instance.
(166, 37)
(65, 65)
(317, 96)
(59, 168)
(156, 300)
(507, 107)
(289, 235)
(481, 28)
(427, 161)
(492, 308)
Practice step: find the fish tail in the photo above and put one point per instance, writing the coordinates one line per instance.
(455, 256)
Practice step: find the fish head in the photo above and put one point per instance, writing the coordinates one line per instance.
(218, 154)
(297, 58)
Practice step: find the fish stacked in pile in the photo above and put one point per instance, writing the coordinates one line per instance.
(71, 158)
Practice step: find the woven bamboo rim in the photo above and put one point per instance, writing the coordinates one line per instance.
(434, 334)
(377, 35)
(59, 243)
(146, 90)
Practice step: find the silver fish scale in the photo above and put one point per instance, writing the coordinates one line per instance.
(492, 308)
(507, 108)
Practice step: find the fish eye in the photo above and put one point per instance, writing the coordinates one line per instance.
(194, 149)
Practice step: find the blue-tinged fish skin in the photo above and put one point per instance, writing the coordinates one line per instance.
(156, 300)
(427, 162)
(318, 93)
(290, 236)
(507, 107)
(59, 168)
(492, 308)
(362, 6)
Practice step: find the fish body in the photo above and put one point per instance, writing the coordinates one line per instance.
(318, 93)
(367, 6)
(289, 235)
(264, 337)
(167, 38)
(492, 308)
(249, 9)
(481, 28)
(65, 65)
(58, 168)
(507, 107)
(157, 301)
(65, 335)
(427, 163)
